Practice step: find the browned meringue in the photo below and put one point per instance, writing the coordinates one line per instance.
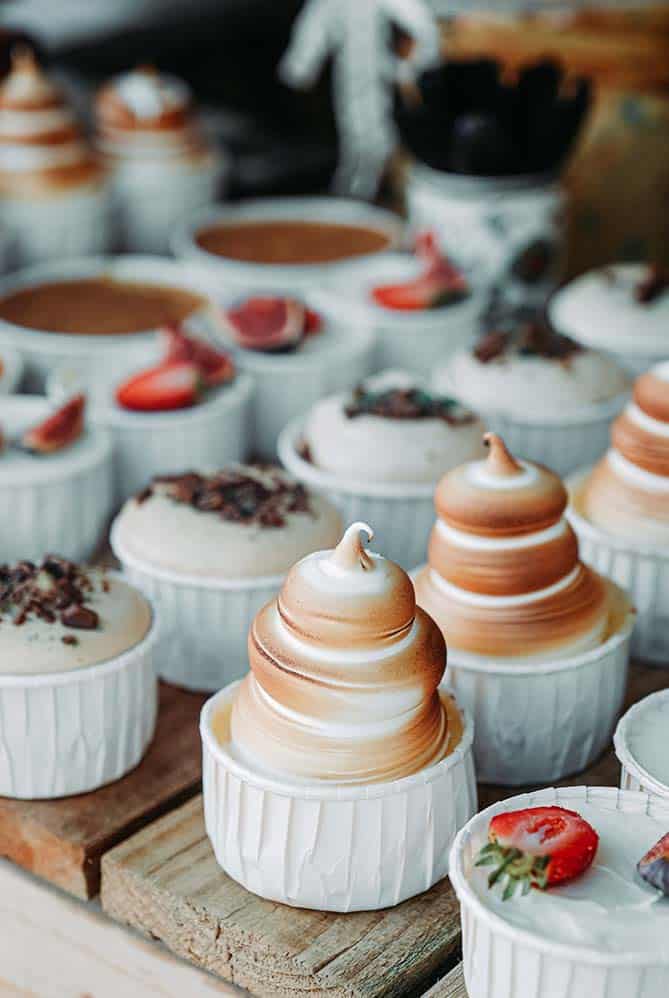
(627, 493)
(503, 576)
(42, 146)
(344, 674)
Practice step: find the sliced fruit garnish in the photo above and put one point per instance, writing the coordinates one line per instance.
(57, 431)
(654, 866)
(441, 283)
(537, 847)
(215, 365)
(313, 323)
(175, 385)
(268, 323)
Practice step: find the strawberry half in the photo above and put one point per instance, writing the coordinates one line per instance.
(441, 283)
(57, 431)
(537, 847)
(215, 366)
(654, 867)
(175, 385)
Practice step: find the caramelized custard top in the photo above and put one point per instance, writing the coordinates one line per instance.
(291, 242)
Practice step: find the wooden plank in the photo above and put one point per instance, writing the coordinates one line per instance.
(53, 946)
(63, 840)
(451, 986)
(165, 882)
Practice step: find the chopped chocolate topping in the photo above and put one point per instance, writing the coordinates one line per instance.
(491, 346)
(653, 284)
(69, 639)
(533, 262)
(242, 494)
(407, 403)
(55, 590)
(529, 338)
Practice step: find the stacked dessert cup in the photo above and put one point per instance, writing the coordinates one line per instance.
(336, 774)
(162, 167)
(539, 643)
(53, 191)
(620, 510)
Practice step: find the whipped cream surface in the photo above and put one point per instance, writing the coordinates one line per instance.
(609, 908)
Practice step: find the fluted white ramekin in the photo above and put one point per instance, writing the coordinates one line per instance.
(47, 506)
(11, 371)
(640, 569)
(537, 722)
(71, 223)
(333, 848)
(43, 351)
(242, 275)
(71, 732)
(633, 776)
(205, 621)
(151, 199)
(502, 961)
(210, 434)
(402, 512)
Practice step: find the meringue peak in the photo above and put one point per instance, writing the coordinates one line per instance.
(351, 554)
(500, 461)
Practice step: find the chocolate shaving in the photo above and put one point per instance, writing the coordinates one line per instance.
(653, 284)
(55, 590)
(246, 495)
(530, 338)
(407, 403)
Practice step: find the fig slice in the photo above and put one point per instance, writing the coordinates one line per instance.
(654, 866)
(441, 283)
(59, 430)
(215, 366)
(267, 323)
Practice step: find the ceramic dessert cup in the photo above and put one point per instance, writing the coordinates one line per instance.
(338, 785)
(43, 349)
(539, 644)
(52, 502)
(380, 469)
(162, 168)
(11, 371)
(308, 273)
(640, 742)
(620, 510)
(71, 731)
(208, 601)
(623, 309)
(55, 200)
(504, 960)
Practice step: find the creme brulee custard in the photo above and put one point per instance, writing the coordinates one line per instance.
(291, 242)
(97, 306)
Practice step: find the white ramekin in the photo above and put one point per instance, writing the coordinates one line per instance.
(151, 199)
(42, 351)
(210, 434)
(205, 621)
(61, 508)
(333, 848)
(71, 732)
(537, 722)
(243, 275)
(402, 512)
(409, 341)
(12, 371)
(640, 569)
(286, 385)
(632, 775)
(53, 227)
(502, 961)
(487, 221)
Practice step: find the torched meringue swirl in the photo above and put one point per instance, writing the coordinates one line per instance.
(627, 493)
(41, 143)
(503, 576)
(344, 674)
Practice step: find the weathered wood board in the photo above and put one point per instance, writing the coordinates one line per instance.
(63, 840)
(450, 986)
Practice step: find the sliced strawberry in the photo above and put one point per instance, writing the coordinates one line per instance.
(441, 283)
(59, 430)
(313, 322)
(168, 386)
(537, 847)
(215, 366)
(654, 866)
(267, 323)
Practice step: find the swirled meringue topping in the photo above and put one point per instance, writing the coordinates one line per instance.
(627, 493)
(344, 674)
(149, 115)
(42, 146)
(503, 575)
